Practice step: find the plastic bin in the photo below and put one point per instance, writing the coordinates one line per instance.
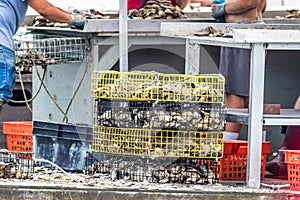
(63, 144)
(233, 164)
(292, 159)
(18, 136)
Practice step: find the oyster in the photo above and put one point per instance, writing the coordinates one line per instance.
(292, 13)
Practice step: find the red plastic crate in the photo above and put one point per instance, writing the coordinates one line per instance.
(18, 136)
(233, 164)
(292, 159)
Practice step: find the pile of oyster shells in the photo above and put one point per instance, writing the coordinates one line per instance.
(31, 57)
(157, 9)
(25, 59)
(210, 31)
(40, 21)
(158, 170)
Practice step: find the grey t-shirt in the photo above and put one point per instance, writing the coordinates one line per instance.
(12, 13)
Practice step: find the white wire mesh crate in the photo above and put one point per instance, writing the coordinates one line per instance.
(44, 49)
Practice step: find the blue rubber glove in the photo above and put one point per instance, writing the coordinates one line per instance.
(78, 20)
(218, 1)
(218, 12)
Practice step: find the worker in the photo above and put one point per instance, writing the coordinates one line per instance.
(235, 62)
(12, 14)
(137, 4)
(276, 168)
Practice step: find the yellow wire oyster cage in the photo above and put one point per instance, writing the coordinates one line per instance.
(157, 143)
(145, 86)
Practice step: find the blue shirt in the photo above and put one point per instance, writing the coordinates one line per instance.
(12, 13)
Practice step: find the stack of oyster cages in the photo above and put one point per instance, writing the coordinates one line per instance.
(155, 115)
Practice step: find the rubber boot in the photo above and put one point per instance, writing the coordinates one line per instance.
(277, 167)
(292, 142)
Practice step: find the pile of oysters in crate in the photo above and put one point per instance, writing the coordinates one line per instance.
(16, 165)
(158, 170)
(168, 115)
(158, 143)
(25, 59)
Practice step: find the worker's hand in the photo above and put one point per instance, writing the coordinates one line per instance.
(78, 20)
(218, 12)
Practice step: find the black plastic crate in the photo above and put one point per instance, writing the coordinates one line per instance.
(154, 169)
(62, 144)
(18, 165)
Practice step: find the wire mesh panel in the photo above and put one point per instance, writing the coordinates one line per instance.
(145, 86)
(16, 165)
(157, 142)
(155, 170)
(44, 49)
